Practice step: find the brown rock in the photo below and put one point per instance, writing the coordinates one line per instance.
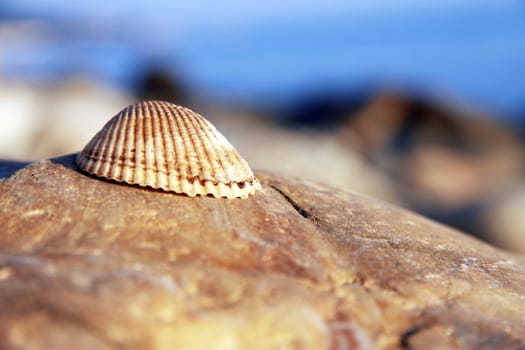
(90, 264)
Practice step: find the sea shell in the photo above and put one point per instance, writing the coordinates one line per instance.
(168, 147)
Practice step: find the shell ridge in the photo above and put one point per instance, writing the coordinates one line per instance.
(185, 135)
(150, 138)
(173, 172)
(160, 135)
(160, 148)
(105, 151)
(125, 136)
(149, 154)
(207, 130)
(208, 159)
(94, 145)
(180, 120)
(139, 145)
(131, 153)
(146, 123)
(180, 159)
(128, 156)
(234, 158)
(82, 159)
(222, 161)
(116, 149)
(220, 166)
(192, 151)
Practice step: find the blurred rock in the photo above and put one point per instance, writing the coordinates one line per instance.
(448, 162)
(44, 121)
(506, 217)
(160, 84)
(446, 156)
(19, 111)
(325, 109)
(86, 263)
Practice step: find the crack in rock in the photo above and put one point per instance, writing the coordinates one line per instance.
(412, 331)
(304, 213)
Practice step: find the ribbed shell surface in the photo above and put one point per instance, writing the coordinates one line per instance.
(168, 147)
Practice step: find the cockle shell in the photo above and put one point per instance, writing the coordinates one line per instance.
(168, 147)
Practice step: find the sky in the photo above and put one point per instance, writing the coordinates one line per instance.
(472, 51)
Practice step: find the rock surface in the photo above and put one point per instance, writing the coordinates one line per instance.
(90, 264)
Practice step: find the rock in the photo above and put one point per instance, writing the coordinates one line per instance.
(505, 216)
(43, 121)
(91, 264)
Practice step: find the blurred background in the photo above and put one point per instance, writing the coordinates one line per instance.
(419, 103)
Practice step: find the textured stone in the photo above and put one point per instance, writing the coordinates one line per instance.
(90, 264)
